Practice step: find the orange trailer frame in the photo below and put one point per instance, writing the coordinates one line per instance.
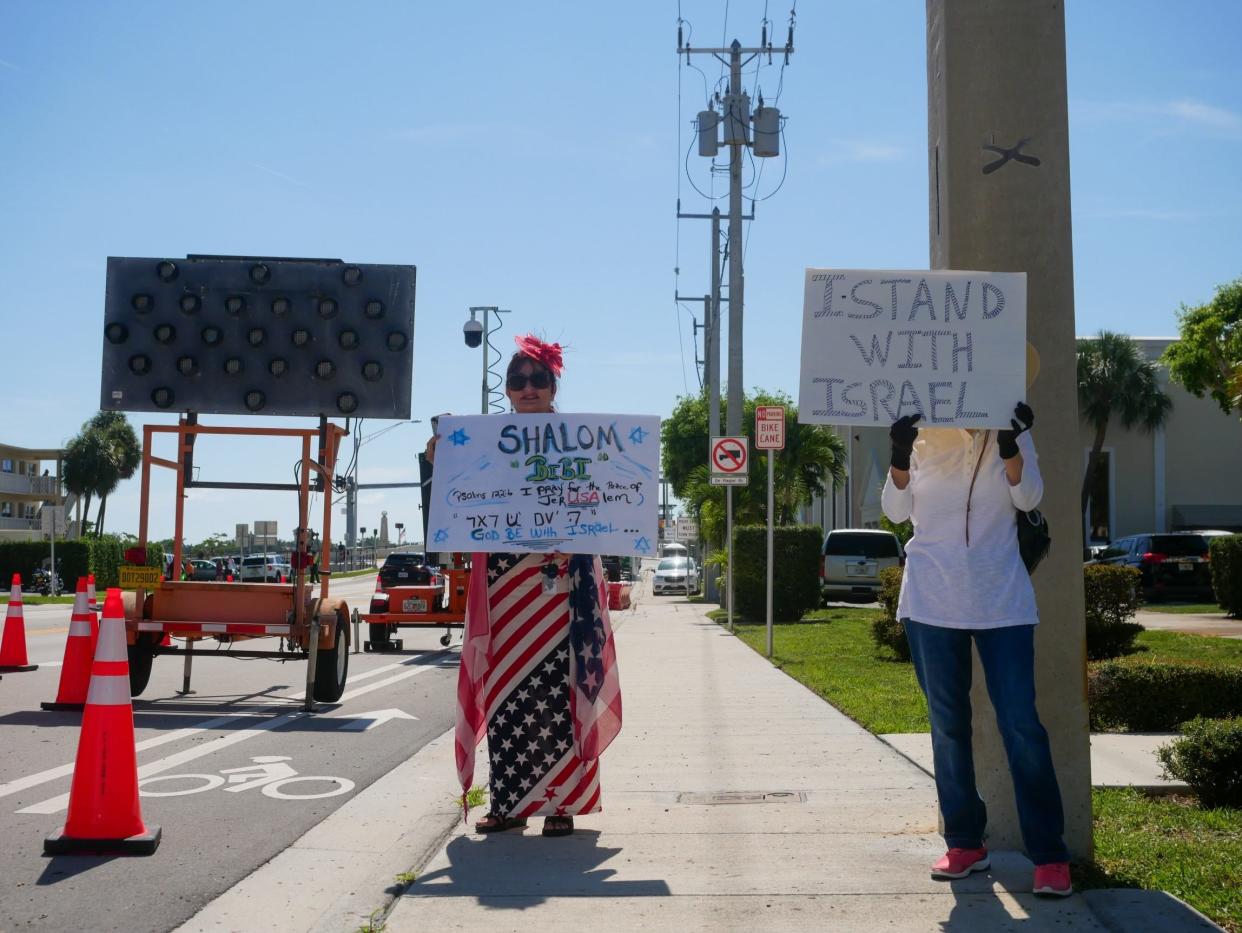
(232, 612)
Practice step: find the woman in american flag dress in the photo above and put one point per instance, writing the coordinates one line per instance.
(538, 670)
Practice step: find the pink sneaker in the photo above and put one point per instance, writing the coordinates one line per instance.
(958, 863)
(1053, 880)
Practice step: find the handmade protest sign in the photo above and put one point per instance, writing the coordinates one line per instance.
(574, 483)
(877, 345)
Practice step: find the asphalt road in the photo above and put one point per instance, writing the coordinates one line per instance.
(219, 824)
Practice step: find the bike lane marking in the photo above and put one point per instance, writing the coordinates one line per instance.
(61, 802)
(19, 784)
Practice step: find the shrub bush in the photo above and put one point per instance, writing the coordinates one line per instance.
(1208, 757)
(24, 556)
(795, 583)
(1148, 696)
(1111, 599)
(886, 631)
(1225, 562)
(106, 556)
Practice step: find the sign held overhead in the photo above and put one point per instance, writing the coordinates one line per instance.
(877, 345)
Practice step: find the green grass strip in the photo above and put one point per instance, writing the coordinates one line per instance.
(831, 652)
(1168, 844)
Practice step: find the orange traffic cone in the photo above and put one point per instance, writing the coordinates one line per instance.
(94, 608)
(104, 813)
(75, 673)
(13, 646)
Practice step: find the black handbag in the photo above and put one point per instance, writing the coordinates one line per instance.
(1034, 538)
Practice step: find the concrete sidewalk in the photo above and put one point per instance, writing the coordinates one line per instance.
(736, 799)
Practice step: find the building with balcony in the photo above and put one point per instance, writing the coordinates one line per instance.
(29, 482)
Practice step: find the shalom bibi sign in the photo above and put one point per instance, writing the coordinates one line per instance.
(878, 345)
(574, 483)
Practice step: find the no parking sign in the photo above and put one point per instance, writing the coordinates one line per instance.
(730, 461)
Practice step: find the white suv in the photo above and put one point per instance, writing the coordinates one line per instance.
(675, 575)
(263, 569)
(852, 559)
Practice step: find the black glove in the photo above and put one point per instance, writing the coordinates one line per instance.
(1007, 440)
(903, 434)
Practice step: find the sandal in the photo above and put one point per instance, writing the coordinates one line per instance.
(558, 825)
(491, 823)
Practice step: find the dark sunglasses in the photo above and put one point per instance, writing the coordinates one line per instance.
(517, 382)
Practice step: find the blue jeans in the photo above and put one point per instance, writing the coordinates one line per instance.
(942, 662)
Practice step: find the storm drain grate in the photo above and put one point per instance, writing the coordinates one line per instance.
(743, 796)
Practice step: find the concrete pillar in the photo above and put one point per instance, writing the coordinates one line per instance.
(996, 76)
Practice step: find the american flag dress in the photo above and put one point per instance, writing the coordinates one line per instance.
(539, 666)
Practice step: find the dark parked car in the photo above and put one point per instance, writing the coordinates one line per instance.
(406, 568)
(1174, 565)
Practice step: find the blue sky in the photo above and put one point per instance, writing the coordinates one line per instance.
(530, 156)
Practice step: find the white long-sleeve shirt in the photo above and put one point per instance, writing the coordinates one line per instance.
(957, 578)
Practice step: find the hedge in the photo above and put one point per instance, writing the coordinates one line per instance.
(795, 583)
(1208, 757)
(1149, 696)
(886, 631)
(1225, 562)
(1111, 600)
(22, 557)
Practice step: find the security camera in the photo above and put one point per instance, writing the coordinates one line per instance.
(472, 330)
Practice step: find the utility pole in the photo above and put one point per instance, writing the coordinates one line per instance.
(713, 333)
(738, 124)
(736, 139)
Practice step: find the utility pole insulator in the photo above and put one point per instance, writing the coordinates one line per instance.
(709, 120)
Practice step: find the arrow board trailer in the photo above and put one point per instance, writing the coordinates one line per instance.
(248, 335)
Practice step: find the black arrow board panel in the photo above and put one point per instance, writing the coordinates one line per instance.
(251, 335)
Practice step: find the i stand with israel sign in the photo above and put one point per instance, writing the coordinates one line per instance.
(574, 483)
(877, 345)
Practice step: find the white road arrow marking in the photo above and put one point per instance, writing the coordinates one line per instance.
(365, 722)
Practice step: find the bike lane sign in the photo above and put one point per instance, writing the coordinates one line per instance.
(730, 461)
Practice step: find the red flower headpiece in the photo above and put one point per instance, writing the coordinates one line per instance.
(548, 354)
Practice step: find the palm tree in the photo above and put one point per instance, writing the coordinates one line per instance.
(1116, 381)
(123, 451)
(813, 456)
(103, 453)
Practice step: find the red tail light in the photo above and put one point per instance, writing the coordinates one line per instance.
(823, 567)
(1154, 557)
(379, 583)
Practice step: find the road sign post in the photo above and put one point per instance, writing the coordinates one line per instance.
(730, 459)
(770, 436)
(53, 517)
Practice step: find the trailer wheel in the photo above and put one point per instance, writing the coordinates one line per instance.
(141, 655)
(332, 665)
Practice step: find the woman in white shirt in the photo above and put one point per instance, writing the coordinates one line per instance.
(965, 581)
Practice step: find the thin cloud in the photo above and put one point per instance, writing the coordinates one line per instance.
(1175, 114)
(1143, 213)
(452, 132)
(10, 65)
(863, 150)
(1194, 111)
(280, 175)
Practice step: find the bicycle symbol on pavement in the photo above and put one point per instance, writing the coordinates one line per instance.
(268, 773)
